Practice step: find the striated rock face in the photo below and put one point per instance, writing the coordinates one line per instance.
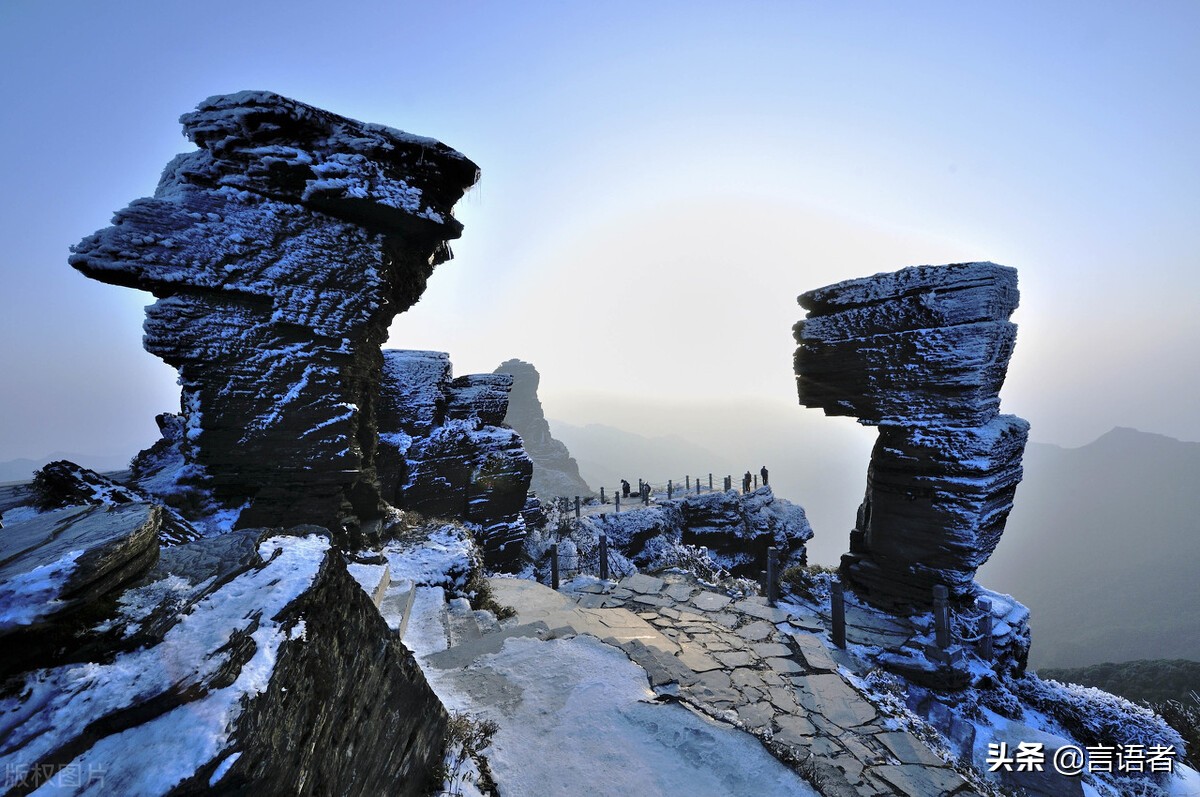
(246, 660)
(555, 472)
(279, 252)
(921, 353)
(56, 566)
(443, 453)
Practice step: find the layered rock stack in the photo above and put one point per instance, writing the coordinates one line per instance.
(279, 253)
(555, 472)
(921, 353)
(444, 453)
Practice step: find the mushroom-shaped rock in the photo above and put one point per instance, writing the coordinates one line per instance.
(279, 252)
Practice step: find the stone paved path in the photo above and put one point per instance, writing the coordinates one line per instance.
(745, 662)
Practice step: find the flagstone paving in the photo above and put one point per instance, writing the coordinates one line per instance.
(745, 662)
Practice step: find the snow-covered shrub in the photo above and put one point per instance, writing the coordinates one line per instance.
(1096, 717)
(465, 771)
(578, 548)
(663, 553)
(810, 582)
(1185, 718)
(1000, 700)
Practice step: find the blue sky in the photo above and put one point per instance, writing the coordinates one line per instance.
(659, 181)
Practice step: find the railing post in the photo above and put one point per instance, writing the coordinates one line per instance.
(576, 507)
(710, 482)
(646, 494)
(941, 615)
(687, 482)
(670, 488)
(985, 629)
(756, 481)
(697, 485)
(602, 501)
(604, 557)
(554, 566)
(772, 576)
(617, 501)
(837, 611)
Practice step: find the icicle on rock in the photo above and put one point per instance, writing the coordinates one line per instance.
(921, 353)
(279, 253)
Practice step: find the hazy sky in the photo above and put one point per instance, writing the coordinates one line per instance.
(660, 180)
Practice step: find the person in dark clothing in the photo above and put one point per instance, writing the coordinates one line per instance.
(763, 473)
(746, 482)
(624, 489)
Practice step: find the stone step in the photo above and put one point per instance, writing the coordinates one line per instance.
(461, 622)
(396, 605)
(461, 655)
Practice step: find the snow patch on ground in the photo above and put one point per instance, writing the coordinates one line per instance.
(609, 737)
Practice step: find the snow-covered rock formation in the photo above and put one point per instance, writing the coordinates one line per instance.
(279, 252)
(63, 484)
(921, 353)
(555, 472)
(734, 530)
(249, 659)
(443, 453)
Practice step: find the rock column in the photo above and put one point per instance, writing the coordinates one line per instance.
(279, 252)
(921, 353)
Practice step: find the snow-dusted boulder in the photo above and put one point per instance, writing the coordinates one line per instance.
(738, 529)
(735, 529)
(251, 661)
(555, 472)
(922, 353)
(279, 252)
(63, 483)
(56, 566)
(442, 452)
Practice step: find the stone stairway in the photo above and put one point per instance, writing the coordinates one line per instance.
(764, 669)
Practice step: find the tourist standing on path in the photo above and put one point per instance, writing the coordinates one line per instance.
(763, 473)
(746, 482)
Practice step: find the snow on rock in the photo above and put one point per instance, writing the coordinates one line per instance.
(226, 666)
(440, 555)
(279, 252)
(63, 483)
(733, 529)
(443, 453)
(57, 566)
(555, 472)
(922, 353)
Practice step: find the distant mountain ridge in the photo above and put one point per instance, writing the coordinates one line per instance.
(1151, 681)
(1102, 546)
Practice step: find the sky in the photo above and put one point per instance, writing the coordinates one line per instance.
(659, 182)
